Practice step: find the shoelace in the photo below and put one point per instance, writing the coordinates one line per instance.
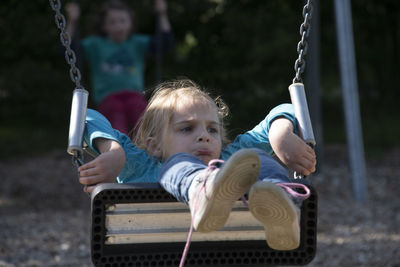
(288, 188)
(212, 165)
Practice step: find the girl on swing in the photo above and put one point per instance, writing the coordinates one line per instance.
(181, 140)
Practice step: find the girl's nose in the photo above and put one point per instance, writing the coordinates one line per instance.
(203, 136)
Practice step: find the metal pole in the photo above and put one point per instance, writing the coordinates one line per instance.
(348, 75)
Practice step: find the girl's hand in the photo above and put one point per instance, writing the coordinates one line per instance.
(105, 168)
(290, 148)
(160, 6)
(73, 11)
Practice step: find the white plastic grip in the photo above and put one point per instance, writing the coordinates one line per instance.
(299, 102)
(77, 121)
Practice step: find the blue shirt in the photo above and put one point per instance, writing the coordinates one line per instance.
(142, 167)
(116, 66)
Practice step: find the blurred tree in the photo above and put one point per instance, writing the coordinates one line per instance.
(243, 50)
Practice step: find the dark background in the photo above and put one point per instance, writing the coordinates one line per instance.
(243, 50)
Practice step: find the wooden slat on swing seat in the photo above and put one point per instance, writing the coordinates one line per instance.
(170, 222)
(143, 225)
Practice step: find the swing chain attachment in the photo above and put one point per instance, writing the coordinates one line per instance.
(65, 38)
(77, 159)
(302, 46)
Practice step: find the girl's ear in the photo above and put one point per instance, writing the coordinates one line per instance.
(153, 146)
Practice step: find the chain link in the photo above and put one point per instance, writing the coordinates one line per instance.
(65, 39)
(70, 58)
(77, 159)
(302, 46)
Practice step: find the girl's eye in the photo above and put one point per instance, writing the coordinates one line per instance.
(186, 129)
(212, 130)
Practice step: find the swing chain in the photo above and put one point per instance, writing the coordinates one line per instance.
(65, 39)
(77, 159)
(302, 46)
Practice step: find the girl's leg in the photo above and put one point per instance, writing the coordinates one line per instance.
(270, 169)
(112, 107)
(209, 192)
(177, 173)
(135, 104)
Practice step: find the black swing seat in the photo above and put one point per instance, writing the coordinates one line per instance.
(140, 224)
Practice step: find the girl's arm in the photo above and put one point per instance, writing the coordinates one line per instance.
(258, 137)
(284, 143)
(167, 38)
(106, 145)
(104, 168)
(117, 158)
(160, 7)
(290, 148)
(73, 13)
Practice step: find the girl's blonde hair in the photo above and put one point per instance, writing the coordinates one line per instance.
(164, 101)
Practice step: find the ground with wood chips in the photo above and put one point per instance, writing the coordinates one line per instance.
(44, 215)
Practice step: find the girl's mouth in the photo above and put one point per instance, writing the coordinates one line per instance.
(204, 152)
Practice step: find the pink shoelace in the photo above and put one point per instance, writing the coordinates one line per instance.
(288, 187)
(212, 165)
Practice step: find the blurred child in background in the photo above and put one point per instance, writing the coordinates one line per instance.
(116, 57)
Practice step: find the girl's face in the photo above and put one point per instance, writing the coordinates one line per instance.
(194, 129)
(117, 25)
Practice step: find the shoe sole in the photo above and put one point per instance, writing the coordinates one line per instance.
(271, 205)
(233, 180)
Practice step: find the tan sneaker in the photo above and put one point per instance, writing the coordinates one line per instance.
(272, 206)
(213, 193)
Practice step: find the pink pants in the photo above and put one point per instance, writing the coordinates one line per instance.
(123, 109)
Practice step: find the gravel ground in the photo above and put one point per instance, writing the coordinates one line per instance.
(44, 215)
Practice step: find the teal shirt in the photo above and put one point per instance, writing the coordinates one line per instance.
(116, 66)
(141, 167)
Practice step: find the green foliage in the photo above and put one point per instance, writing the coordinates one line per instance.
(243, 50)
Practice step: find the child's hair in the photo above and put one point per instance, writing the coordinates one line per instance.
(99, 19)
(158, 114)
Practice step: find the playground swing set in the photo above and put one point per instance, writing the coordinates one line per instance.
(140, 224)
